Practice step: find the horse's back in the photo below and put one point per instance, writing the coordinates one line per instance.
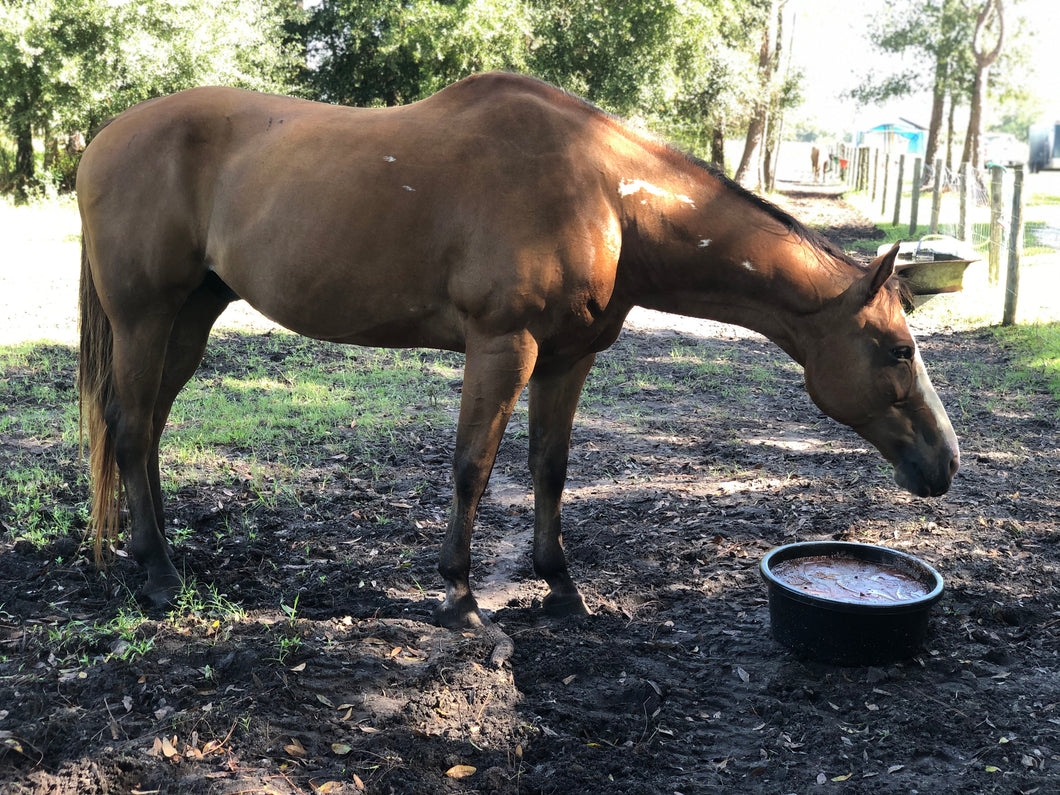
(384, 226)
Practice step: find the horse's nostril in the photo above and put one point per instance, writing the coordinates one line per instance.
(955, 464)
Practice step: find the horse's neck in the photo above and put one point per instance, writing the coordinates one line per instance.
(710, 253)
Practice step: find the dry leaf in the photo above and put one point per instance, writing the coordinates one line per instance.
(568, 679)
(326, 787)
(298, 669)
(460, 771)
(295, 748)
(357, 782)
(169, 749)
(841, 778)
(327, 702)
(744, 676)
(340, 749)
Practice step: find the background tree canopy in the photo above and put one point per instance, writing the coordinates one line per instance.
(690, 69)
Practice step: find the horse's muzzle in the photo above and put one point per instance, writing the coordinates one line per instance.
(928, 477)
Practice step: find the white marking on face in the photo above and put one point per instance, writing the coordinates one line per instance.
(685, 199)
(408, 188)
(389, 159)
(747, 264)
(704, 242)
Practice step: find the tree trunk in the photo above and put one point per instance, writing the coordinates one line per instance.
(749, 172)
(24, 162)
(717, 146)
(951, 127)
(992, 16)
(938, 104)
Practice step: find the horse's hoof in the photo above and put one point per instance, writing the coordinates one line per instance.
(462, 614)
(564, 605)
(161, 592)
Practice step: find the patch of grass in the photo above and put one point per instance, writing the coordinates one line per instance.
(254, 393)
(275, 403)
(40, 482)
(1037, 349)
(77, 644)
(1043, 199)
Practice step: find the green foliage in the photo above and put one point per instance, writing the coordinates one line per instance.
(683, 67)
(680, 66)
(390, 52)
(70, 64)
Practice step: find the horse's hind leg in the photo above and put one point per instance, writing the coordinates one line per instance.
(187, 343)
(553, 401)
(139, 356)
(151, 363)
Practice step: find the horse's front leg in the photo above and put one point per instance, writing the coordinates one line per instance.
(553, 401)
(495, 371)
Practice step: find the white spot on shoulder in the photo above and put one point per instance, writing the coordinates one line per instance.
(747, 264)
(704, 242)
(630, 186)
(389, 159)
(408, 187)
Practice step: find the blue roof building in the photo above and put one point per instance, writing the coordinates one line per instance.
(896, 138)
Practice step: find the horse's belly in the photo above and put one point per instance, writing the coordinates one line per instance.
(357, 315)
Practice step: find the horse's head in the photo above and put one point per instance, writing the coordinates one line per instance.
(864, 370)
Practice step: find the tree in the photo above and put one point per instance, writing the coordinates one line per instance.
(44, 45)
(69, 64)
(986, 47)
(680, 66)
(749, 171)
(390, 52)
(937, 31)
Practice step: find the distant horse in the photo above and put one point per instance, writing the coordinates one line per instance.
(815, 161)
(500, 217)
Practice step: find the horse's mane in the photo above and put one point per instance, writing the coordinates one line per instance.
(795, 227)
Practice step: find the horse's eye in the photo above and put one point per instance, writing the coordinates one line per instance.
(902, 352)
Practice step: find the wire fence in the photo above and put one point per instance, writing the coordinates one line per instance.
(978, 212)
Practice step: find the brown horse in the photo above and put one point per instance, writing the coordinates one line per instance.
(500, 217)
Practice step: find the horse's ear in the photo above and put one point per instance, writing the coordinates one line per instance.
(880, 270)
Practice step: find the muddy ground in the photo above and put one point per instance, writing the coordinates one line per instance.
(333, 679)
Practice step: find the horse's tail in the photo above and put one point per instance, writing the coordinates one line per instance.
(96, 387)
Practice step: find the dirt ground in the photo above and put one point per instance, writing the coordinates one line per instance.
(673, 685)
